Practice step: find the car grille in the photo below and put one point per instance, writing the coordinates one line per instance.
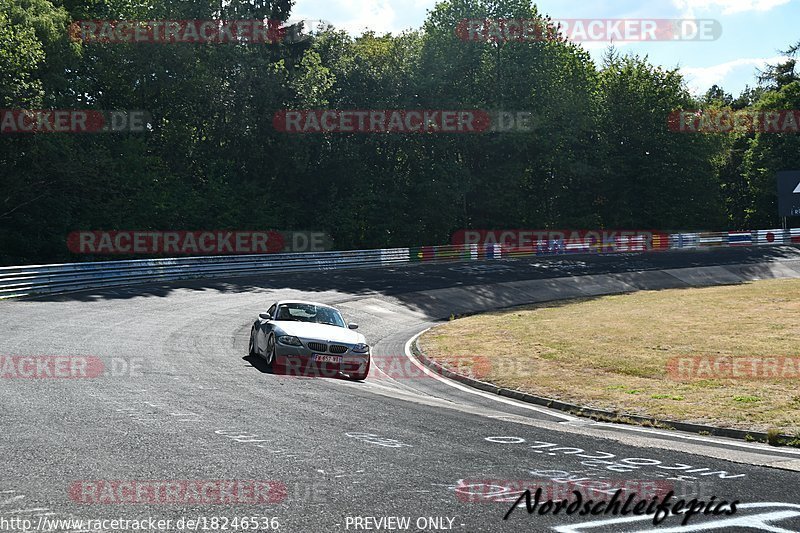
(336, 348)
(318, 346)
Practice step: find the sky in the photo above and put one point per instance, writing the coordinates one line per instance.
(754, 32)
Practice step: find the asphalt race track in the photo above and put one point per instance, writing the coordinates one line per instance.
(179, 400)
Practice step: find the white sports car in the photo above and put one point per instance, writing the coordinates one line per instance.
(307, 338)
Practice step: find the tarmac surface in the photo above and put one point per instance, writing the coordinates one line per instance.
(179, 405)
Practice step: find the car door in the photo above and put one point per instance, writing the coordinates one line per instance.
(263, 328)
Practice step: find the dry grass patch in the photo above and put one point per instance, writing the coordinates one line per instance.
(612, 352)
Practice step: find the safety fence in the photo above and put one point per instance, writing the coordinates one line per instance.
(16, 281)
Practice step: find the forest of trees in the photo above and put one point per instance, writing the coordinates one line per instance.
(601, 155)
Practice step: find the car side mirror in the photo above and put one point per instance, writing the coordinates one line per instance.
(352, 325)
(264, 316)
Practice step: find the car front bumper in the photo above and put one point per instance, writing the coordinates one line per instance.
(301, 361)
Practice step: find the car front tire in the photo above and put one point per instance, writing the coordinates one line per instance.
(252, 349)
(271, 351)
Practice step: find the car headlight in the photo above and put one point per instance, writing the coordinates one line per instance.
(360, 348)
(289, 340)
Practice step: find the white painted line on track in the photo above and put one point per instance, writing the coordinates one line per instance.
(700, 438)
(470, 390)
(401, 385)
(755, 522)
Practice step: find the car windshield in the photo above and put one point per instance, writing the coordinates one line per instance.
(310, 313)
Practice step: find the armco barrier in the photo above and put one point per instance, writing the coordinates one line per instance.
(27, 280)
(44, 279)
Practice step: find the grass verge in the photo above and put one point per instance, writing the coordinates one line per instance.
(717, 355)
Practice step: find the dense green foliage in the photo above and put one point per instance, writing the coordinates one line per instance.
(601, 155)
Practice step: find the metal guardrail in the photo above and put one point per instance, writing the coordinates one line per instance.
(16, 281)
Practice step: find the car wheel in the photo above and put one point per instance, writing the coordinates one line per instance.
(271, 351)
(360, 376)
(252, 350)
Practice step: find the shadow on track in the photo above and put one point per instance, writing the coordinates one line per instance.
(261, 365)
(416, 277)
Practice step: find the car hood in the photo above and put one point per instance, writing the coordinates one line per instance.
(321, 332)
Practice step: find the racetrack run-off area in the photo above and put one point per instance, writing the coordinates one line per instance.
(724, 356)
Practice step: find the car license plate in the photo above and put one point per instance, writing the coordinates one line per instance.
(327, 358)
